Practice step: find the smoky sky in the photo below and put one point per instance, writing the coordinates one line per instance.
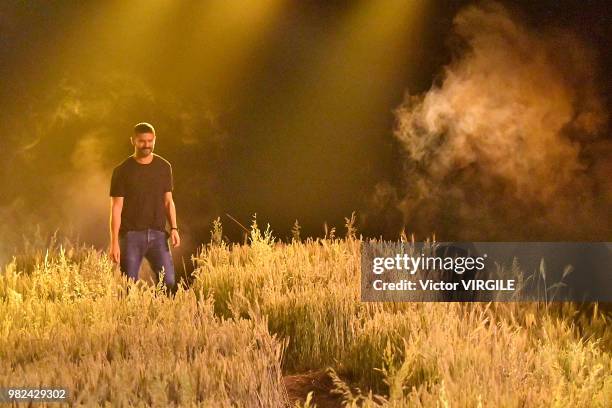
(512, 143)
(308, 111)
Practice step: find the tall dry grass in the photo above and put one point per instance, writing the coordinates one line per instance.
(66, 319)
(415, 354)
(73, 324)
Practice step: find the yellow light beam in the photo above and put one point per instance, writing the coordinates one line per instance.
(224, 38)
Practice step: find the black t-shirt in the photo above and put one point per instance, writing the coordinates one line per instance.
(142, 187)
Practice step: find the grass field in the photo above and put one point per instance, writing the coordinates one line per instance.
(258, 318)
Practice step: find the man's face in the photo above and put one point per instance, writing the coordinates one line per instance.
(143, 143)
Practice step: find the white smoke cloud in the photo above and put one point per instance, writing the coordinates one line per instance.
(504, 147)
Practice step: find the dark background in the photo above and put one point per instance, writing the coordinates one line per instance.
(289, 115)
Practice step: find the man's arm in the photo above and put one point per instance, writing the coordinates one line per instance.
(115, 223)
(171, 216)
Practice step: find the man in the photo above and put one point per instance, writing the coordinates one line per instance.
(141, 202)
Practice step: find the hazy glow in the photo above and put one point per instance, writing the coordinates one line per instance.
(346, 84)
(286, 109)
(222, 38)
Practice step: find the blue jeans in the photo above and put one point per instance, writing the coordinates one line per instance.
(150, 244)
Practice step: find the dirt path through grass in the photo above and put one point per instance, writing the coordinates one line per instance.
(319, 382)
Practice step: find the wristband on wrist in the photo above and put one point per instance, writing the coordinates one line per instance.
(174, 228)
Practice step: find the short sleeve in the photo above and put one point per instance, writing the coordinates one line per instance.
(168, 181)
(117, 188)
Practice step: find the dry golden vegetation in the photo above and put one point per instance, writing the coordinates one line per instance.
(260, 311)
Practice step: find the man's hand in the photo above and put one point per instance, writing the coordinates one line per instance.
(175, 238)
(115, 253)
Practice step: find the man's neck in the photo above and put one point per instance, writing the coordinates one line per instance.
(143, 159)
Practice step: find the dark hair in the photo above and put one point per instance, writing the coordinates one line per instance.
(143, 127)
